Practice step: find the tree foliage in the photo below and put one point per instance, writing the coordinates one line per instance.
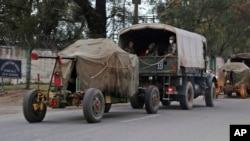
(50, 23)
(56, 23)
(95, 17)
(225, 23)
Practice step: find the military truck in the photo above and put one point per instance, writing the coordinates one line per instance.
(182, 77)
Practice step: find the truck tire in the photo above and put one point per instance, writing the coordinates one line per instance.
(107, 108)
(248, 90)
(228, 91)
(93, 105)
(152, 99)
(210, 95)
(31, 114)
(243, 91)
(186, 100)
(229, 94)
(136, 103)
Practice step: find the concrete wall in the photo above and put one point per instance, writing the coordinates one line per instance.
(43, 67)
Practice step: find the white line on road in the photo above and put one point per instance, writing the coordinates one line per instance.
(140, 118)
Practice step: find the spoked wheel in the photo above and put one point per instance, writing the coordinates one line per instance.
(186, 100)
(152, 99)
(243, 91)
(107, 107)
(210, 95)
(34, 107)
(136, 101)
(93, 105)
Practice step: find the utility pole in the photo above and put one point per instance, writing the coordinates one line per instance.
(124, 14)
(135, 17)
(113, 22)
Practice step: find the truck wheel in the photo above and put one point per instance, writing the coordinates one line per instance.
(229, 94)
(243, 91)
(228, 91)
(238, 94)
(33, 109)
(93, 105)
(248, 91)
(165, 102)
(107, 108)
(186, 100)
(152, 99)
(210, 95)
(135, 102)
(217, 91)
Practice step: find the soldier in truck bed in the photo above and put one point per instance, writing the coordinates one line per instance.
(173, 47)
(152, 50)
(130, 47)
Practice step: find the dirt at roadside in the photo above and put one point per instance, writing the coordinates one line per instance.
(12, 97)
(11, 101)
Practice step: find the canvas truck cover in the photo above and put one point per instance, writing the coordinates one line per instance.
(190, 46)
(102, 64)
(241, 57)
(240, 75)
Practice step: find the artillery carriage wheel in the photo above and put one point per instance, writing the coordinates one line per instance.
(93, 105)
(137, 101)
(34, 107)
(107, 107)
(152, 99)
(210, 95)
(186, 100)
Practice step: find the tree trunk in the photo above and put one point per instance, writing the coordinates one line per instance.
(96, 18)
(28, 68)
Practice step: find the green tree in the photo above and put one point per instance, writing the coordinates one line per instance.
(49, 23)
(218, 21)
(29, 23)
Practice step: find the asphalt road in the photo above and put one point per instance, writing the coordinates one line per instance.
(123, 123)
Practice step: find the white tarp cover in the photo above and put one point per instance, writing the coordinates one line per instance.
(240, 73)
(190, 45)
(102, 64)
(190, 48)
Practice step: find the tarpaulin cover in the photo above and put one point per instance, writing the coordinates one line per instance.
(240, 73)
(241, 57)
(190, 45)
(102, 64)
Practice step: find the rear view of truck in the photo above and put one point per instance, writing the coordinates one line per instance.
(180, 77)
(235, 75)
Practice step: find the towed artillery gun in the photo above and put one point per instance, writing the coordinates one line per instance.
(234, 76)
(94, 73)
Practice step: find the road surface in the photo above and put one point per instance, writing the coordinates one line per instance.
(123, 123)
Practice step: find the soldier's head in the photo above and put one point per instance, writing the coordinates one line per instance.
(151, 46)
(171, 39)
(130, 43)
